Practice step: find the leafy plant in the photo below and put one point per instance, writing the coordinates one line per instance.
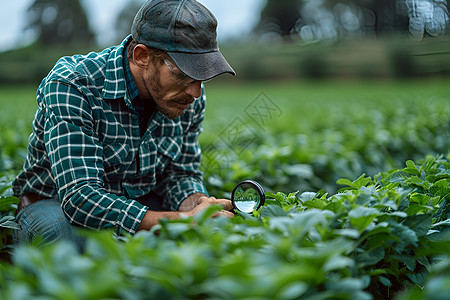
(373, 239)
(8, 206)
(381, 235)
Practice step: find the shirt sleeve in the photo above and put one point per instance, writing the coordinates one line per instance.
(182, 177)
(76, 158)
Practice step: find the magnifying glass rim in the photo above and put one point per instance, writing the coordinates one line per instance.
(257, 186)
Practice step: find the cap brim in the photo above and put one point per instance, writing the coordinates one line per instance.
(201, 66)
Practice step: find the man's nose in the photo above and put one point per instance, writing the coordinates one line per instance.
(194, 90)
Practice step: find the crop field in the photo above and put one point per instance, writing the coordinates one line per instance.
(305, 136)
(357, 181)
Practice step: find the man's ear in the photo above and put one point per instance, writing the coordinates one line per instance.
(141, 56)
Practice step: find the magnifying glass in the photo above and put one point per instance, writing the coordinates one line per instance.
(247, 196)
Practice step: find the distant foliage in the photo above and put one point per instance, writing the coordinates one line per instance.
(125, 18)
(337, 19)
(327, 140)
(59, 22)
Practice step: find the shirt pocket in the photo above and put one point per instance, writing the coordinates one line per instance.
(168, 150)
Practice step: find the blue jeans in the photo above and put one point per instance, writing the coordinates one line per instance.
(45, 221)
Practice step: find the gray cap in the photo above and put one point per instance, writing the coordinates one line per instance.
(186, 30)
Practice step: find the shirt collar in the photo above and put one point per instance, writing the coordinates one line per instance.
(131, 85)
(115, 86)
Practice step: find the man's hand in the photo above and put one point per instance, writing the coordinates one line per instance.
(202, 202)
(190, 207)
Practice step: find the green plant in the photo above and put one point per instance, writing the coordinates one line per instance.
(376, 236)
(372, 239)
(8, 206)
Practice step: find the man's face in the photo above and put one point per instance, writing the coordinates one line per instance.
(171, 90)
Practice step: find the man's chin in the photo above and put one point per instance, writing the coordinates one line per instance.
(171, 114)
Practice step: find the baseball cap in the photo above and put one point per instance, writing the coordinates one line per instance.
(186, 30)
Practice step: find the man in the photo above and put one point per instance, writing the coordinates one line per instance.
(117, 132)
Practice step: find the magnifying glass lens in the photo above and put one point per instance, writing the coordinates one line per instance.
(247, 196)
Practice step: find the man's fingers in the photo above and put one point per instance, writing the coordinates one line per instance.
(224, 213)
(227, 214)
(227, 205)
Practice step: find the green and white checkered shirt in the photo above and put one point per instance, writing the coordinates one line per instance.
(87, 150)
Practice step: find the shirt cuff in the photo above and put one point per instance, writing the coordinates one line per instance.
(131, 218)
(184, 189)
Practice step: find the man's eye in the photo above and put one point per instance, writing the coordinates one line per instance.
(192, 82)
(181, 76)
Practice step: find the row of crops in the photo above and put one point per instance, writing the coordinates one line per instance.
(357, 180)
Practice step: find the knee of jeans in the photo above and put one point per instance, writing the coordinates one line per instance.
(57, 229)
(45, 220)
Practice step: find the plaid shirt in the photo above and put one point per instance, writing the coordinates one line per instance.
(86, 147)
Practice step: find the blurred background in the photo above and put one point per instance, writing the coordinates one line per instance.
(324, 88)
(294, 38)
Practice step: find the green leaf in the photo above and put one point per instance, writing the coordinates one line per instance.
(405, 235)
(357, 184)
(280, 197)
(436, 200)
(376, 272)
(307, 196)
(345, 181)
(411, 168)
(273, 211)
(293, 290)
(271, 202)
(446, 223)
(384, 281)
(397, 177)
(315, 203)
(417, 278)
(443, 174)
(345, 285)
(363, 211)
(428, 164)
(8, 203)
(362, 181)
(420, 224)
(419, 198)
(294, 194)
(408, 260)
(415, 209)
(338, 262)
(440, 188)
(9, 222)
(380, 228)
(362, 216)
(336, 207)
(389, 203)
(350, 233)
(399, 214)
(414, 180)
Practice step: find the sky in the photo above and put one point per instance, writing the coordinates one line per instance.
(236, 18)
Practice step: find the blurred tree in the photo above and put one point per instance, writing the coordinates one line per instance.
(388, 16)
(59, 22)
(279, 16)
(125, 18)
